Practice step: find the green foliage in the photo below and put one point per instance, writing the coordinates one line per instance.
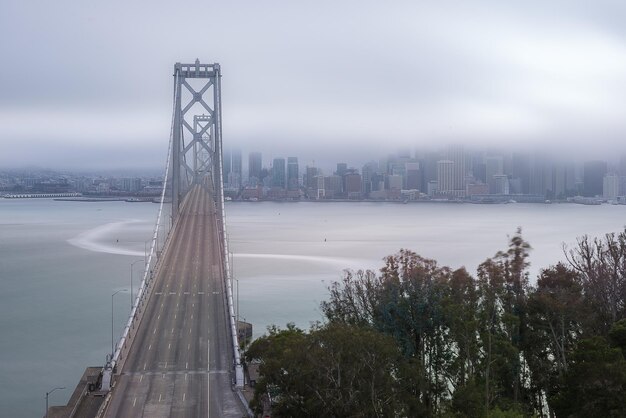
(595, 383)
(617, 335)
(418, 339)
(333, 370)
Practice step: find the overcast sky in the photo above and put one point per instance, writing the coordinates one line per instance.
(87, 84)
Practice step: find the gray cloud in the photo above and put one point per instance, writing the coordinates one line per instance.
(304, 77)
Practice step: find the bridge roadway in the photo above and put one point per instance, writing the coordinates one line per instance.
(180, 364)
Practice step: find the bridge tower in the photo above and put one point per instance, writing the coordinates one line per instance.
(197, 131)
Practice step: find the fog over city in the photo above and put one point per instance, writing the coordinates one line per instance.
(88, 84)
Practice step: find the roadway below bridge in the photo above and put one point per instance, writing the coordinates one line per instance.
(181, 361)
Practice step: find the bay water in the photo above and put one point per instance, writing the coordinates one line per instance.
(60, 262)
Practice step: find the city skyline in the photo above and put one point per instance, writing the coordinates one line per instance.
(77, 94)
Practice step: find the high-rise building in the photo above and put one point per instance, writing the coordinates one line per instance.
(611, 186)
(430, 167)
(254, 168)
(353, 185)
(413, 176)
(445, 177)
(226, 165)
(521, 170)
(394, 182)
(493, 167)
(366, 179)
(501, 182)
(332, 186)
(293, 175)
(341, 169)
(310, 178)
(234, 178)
(593, 177)
(456, 154)
(278, 173)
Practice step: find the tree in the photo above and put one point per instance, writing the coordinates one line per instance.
(333, 370)
(503, 287)
(602, 266)
(595, 382)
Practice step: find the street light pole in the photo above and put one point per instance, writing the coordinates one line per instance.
(112, 350)
(48, 394)
(131, 282)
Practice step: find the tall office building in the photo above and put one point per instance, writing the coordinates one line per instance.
(521, 170)
(341, 169)
(226, 165)
(593, 176)
(413, 176)
(278, 173)
(293, 174)
(456, 154)
(353, 185)
(234, 178)
(493, 167)
(560, 180)
(310, 178)
(254, 168)
(429, 172)
(501, 182)
(332, 186)
(611, 186)
(445, 177)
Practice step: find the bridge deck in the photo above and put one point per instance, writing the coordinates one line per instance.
(180, 362)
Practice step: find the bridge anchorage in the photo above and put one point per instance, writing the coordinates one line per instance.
(179, 353)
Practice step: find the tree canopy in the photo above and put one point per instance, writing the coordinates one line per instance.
(419, 339)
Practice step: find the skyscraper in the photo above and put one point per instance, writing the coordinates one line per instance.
(311, 181)
(413, 176)
(235, 169)
(493, 167)
(278, 173)
(456, 154)
(593, 177)
(445, 177)
(254, 168)
(341, 169)
(293, 174)
(226, 166)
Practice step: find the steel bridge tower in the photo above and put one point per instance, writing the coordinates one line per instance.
(196, 132)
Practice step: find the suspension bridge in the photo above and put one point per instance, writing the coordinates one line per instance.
(178, 355)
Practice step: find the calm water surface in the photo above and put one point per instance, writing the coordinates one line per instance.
(61, 261)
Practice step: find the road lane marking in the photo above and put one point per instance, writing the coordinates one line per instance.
(154, 332)
(150, 347)
(169, 346)
(188, 346)
(184, 397)
(140, 378)
(144, 366)
(186, 365)
(159, 397)
(208, 380)
(134, 402)
(172, 330)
